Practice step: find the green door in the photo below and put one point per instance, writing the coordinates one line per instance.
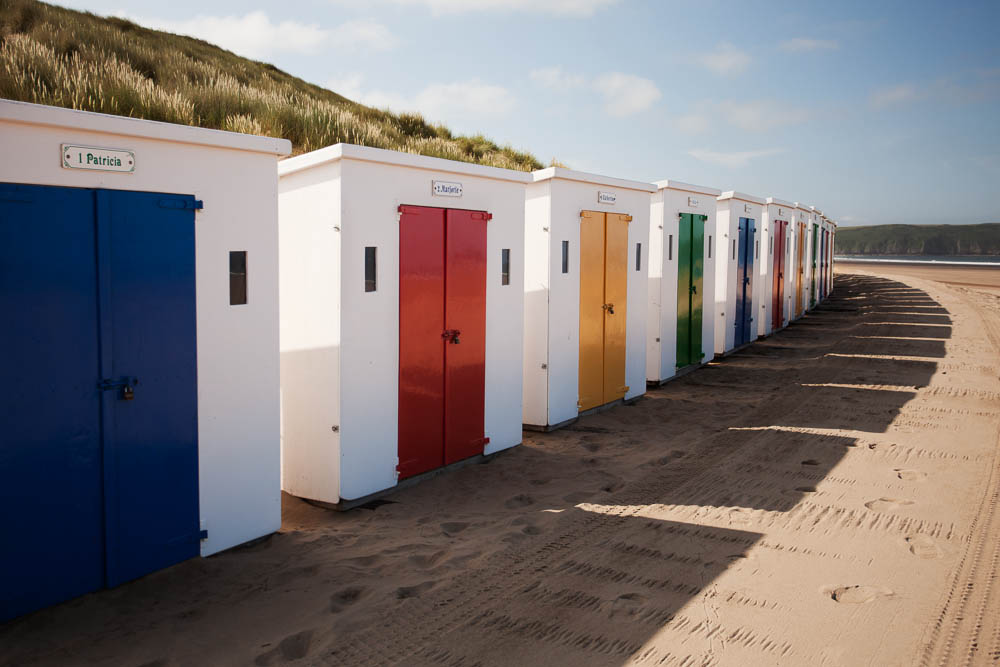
(690, 281)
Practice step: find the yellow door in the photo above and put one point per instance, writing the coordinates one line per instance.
(591, 310)
(615, 296)
(603, 267)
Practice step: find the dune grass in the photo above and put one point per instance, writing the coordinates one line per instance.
(982, 239)
(50, 55)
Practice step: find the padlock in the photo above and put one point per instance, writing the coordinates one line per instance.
(128, 393)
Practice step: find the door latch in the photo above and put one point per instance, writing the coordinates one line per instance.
(451, 335)
(610, 307)
(126, 384)
(694, 289)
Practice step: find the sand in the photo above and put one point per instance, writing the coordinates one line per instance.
(825, 496)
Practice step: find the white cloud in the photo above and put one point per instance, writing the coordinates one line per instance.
(437, 101)
(726, 59)
(887, 97)
(254, 35)
(626, 94)
(800, 44)
(349, 87)
(693, 123)
(582, 8)
(472, 96)
(555, 78)
(362, 34)
(733, 160)
(763, 115)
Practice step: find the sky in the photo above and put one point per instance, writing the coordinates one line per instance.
(874, 112)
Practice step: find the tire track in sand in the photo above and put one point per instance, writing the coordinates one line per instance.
(967, 629)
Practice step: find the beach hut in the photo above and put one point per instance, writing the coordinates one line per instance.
(682, 248)
(812, 232)
(777, 216)
(585, 273)
(737, 218)
(817, 217)
(140, 382)
(402, 306)
(829, 251)
(824, 257)
(797, 293)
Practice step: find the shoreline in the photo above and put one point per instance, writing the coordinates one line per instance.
(921, 262)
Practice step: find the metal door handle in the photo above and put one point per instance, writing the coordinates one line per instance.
(451, 335)
(126, 384)
(610, 307)
(694, 289)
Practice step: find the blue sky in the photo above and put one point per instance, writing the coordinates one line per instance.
(875, 113)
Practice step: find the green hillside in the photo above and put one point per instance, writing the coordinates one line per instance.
(56, 56)
(981, 239)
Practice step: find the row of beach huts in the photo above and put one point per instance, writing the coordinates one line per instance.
(193, 326)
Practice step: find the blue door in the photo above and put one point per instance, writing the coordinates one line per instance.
(51, 494)
(749, 251)
(99, 459)
(744, 287)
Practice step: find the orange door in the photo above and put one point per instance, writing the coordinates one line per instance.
(800, 257)
(603, 294)
(616, 297)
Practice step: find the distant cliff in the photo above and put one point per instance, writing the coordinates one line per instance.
(981, 239)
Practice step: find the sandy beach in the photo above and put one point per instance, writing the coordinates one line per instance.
(826, 496)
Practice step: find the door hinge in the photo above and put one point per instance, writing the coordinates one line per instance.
(182, 204)
(482, 442)
(628, 218)
(203, 535)
(625, 388)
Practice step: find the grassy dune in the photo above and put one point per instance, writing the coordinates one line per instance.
(981, 239)
(61, 57)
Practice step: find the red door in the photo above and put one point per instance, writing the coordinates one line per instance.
(465, 353)
(778, 285)
(442, 336)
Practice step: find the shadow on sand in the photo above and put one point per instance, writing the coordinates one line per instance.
(585, 578)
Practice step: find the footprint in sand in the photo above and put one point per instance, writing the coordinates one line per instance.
(405, 592)
(577, 497)
(626, 605)
(910, 475)
(453, 527)
(427, 560)
(293, 647)
(520, 500)
(740, 515)
(345, 598)
(858, 594)
(810, 462)
(887, 504)
(922, 546)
